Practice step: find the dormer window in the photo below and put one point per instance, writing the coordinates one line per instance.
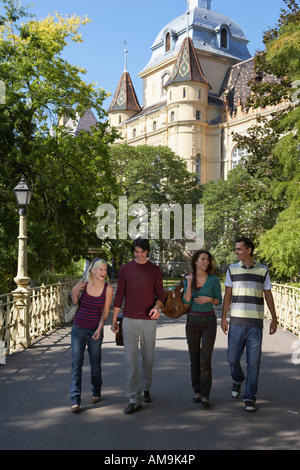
(168, 42)
(222, 32)
(169, 37)
(224, 38)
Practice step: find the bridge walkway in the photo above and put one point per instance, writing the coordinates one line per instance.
(35, 407)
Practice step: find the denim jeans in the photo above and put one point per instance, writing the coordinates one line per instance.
(239, 338)
(80, 338)
(201, 339)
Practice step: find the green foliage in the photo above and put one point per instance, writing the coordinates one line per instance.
(70, 174)
(262, 201)
(235, 207)
(152, 175)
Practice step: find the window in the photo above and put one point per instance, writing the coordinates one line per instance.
(237, 156)
(198, 167)
(154, 126)
(168, 42)
(164, 80)
(120, 119)
(172, 116)
(198, 115)
(224, 39)
(184, 93)
(199, 94)
(134, 132)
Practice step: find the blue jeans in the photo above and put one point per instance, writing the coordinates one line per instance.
(239, 338)
(80, 338)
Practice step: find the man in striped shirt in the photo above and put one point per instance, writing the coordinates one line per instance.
(247, 284)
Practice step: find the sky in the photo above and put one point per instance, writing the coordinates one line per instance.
(139, 22)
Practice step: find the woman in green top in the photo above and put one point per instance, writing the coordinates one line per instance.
(202, 291)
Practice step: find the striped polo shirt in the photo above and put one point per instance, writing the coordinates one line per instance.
(248, 285)
(89, 313)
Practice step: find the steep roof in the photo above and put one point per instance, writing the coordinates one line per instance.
(204, 25)
(236, 89)
(125, 98)
(86, 121)
(187, 67)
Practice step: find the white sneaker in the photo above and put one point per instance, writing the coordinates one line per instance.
(250, 406)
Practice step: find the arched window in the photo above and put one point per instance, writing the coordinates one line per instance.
(172, 116)
(224, 38)
(184, 93)
(164, 80)
(168, 42)
(238, 155)
(154, 125)
(134, 132)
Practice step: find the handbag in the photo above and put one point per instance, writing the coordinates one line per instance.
(173, 305)
(70, 312)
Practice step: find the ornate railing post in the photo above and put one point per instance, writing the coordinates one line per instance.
(21, 317)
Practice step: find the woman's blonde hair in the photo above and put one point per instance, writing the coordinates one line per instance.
(97, 262)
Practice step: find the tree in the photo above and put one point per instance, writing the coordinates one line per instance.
(152, 175)
(235, 207)
(70, 174)
(274, 147)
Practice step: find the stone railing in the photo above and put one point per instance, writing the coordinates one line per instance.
(287, 304)
(31, 314)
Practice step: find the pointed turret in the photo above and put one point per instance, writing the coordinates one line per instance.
(125, 98)
(187, 67)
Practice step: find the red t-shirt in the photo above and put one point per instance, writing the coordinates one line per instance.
(141, 285)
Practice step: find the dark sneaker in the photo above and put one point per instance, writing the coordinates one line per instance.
(236, 390)
(250, 406)
(147, 397)
(132, 408)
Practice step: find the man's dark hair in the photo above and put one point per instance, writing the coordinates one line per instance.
(247, 242)
(142, 243)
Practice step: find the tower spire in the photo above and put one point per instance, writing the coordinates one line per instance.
(188, 17)
(125, 52)
(200, 3)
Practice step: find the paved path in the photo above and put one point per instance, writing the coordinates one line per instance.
(35, 408)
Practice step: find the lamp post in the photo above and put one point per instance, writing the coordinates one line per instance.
(23, 194)
(21, 295)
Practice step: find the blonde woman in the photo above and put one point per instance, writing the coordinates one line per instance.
(87, 329)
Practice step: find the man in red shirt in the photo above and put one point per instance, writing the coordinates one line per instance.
(140, 283)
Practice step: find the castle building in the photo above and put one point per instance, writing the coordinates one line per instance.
(195, 88)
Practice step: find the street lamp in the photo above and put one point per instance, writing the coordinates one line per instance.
(23, 194)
